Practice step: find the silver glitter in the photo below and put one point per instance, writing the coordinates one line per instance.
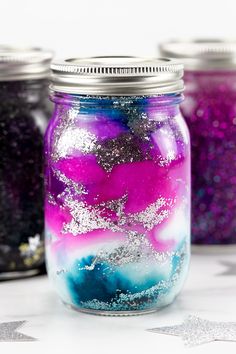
(87, 218)
(51, 199)
(66, 119)
(142, 126)
(155, 294)
(8, 332)
(195, 331)
(135, 249)
(165, 161)
(72, 187)
(125, 148)
(149, 217)
(117, 205)
(74, 138)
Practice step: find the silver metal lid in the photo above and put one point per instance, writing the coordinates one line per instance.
(24, 63)
(120, 76)
(200, 54)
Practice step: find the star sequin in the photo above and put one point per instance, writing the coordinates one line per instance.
(231, 268)
(9, 333)
(195, 331)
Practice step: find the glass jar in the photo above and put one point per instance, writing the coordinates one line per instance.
(117, 185)
(24, 113)
(210, 111)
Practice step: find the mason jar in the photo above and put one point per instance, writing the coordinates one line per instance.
(117, 181)
(24, 113)
(210, 111)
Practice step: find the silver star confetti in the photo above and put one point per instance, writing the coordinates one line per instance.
(195, 331)
(231, 268)
(29, 249)
(9, 333)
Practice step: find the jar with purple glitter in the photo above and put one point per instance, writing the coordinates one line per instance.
(210, 111)
(24, 113)
(117, 175)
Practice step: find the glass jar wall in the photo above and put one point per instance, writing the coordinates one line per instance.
(117, 197)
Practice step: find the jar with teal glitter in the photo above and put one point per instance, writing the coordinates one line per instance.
(117, 178)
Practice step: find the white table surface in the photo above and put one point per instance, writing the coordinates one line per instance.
(207, 294)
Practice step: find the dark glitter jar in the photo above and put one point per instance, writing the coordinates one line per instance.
(210, 111)
(24, 113)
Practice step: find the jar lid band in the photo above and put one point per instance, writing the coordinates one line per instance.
(203, 55)
(24, 63)
(121, 76)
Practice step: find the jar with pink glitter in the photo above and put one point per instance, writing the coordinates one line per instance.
(210, 111)
(117, 208)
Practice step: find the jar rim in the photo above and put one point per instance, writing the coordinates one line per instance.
(117, 76)
(202, 54)
(21, 63)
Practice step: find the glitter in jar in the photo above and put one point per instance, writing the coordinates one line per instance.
(211, 122)
(74, 139)
(117, 177)
(115, 200)
(24, 113)
(123, 149)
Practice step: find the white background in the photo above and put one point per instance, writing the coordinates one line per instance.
(102, 27)
(108, 27)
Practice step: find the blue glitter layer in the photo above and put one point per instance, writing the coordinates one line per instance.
(103, 289)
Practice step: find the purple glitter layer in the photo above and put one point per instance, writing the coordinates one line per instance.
(210, 111)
